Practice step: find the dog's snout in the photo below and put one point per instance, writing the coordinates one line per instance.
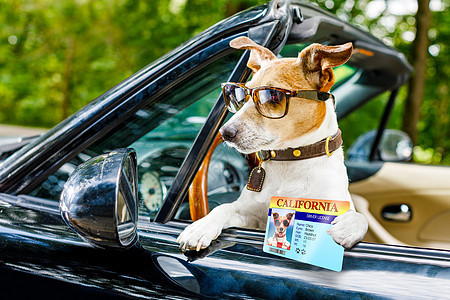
(228, 133)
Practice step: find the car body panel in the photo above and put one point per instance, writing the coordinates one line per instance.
(234, 266)
(273, 277)
(36, 241)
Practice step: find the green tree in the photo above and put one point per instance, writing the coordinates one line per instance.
(58, 56)
(417, 83)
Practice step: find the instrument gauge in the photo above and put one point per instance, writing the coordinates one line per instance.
(152, 190)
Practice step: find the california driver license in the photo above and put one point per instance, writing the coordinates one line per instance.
(297, 229)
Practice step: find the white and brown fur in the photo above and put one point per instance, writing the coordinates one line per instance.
(307, 122)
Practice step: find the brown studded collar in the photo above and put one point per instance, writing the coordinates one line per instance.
(323, 147)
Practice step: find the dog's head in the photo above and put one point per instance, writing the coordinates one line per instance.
(281, 222)
(248, 131)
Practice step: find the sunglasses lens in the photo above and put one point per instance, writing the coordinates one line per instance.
(271, 102)
(286, 223)
(234, 97)
(277, 222)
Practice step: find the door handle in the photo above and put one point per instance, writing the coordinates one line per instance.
(397, 213)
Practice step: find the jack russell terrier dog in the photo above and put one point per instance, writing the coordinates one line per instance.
(279, 237)
(285, 114)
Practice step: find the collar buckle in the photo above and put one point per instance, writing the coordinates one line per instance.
(263, 155)
(327, 150)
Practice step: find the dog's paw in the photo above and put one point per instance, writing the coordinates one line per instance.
(198, 235)
(348, 229)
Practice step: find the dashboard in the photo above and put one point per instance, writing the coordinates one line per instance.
(228, 174)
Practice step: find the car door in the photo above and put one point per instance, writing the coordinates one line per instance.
(411, 201)
(406, 203)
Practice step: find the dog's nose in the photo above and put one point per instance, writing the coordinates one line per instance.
(228, 133)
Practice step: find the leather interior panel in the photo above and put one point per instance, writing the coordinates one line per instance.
(425, 189)
(437, 228)
(376, 233)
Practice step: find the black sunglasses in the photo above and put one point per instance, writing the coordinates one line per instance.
(271, 102)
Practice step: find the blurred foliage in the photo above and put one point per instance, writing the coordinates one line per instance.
(56, 56)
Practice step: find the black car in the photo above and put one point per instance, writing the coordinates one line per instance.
(133, 152)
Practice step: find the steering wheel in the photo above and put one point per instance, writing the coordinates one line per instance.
(198, 191)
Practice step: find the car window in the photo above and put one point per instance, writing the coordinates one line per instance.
(161, 133)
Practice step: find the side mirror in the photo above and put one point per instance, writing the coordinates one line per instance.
(99, 200)
(395, 145)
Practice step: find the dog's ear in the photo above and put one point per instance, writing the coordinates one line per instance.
(275, 216)
(318, 60)
(289, 216)
(258, 53)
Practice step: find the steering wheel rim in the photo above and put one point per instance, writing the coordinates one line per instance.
(198, 191)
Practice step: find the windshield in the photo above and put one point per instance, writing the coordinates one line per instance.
(161, 132)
